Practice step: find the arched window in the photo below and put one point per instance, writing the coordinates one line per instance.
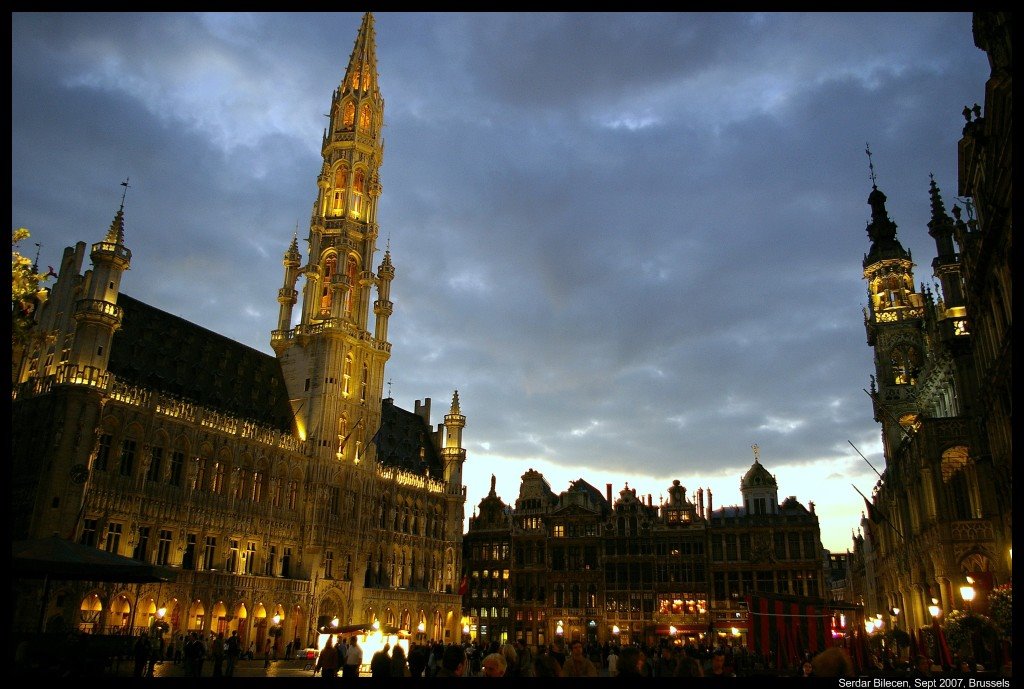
(355, 79)
(906, 364)
(217, 484)
(362, 384)
(559, 596)
(348, 119)
(351, 295)
(346, 375)
(957, 474)
(358, 189)
(340, 185)
(364, 118)
(326, 295)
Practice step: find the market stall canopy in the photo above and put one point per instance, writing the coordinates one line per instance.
(56, 558)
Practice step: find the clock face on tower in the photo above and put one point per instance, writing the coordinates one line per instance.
(79, 473)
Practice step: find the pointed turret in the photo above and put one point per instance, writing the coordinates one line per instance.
(946, 264)
(287, 296)
(454, 454)
(97, 314)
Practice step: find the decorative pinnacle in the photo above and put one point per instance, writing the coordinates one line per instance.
(125, 192)
(757, 452)
(871, 166)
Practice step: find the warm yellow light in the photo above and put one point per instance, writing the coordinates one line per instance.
(465, 629)
(334, 622)
(967, 593)
(421, 627)
(615, 629)
(672, 630)
(277, 619)
(735, 632)
(934, 610)
(896, 611)
(161, 612)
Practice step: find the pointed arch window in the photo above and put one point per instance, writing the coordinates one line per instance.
(364, 118)
(346, 375)
(358, 189)
(362, 384)
(351, 294)
(348, 117)
(355, 79)
(906, 364)
(340, 187)
(326, 295)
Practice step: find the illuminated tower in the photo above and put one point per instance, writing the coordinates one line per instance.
(893, 320)
(97, 314)
(333, 365)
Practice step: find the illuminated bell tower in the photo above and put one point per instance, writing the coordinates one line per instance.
(333, 365)
(893, 320)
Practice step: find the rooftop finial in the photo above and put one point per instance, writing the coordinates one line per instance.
(757, 453)
(125, 192)
(871, 166)
(389, 388)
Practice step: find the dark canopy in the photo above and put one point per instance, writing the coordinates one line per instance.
(56, 558)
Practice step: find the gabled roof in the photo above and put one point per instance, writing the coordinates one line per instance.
(159, 351)
(405, 441)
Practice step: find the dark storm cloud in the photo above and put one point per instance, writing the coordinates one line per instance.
(632, 241)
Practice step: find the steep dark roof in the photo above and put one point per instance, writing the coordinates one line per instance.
(405, 441)
(159, 351)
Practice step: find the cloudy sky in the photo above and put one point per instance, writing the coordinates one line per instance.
(632, 242)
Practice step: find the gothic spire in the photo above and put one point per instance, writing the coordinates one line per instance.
(361, 74)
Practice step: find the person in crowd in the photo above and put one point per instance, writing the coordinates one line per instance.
(353, 659)
(665, 665)
(524, 659)
(453, 662)
(613, 661)
(494, 665)
(577, 664)
(380, 663)
(232, 651)
(141, 655)
(689, 667)
(266, 652)
(545, 665)
(328, 662)
(833, 662)
(217, 653)
(399, 665)
(807, 669)
(718, 667)
(631, 659)
(418, 657)
(511, 656)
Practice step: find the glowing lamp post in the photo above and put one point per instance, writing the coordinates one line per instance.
(967, 593)
(934, 610)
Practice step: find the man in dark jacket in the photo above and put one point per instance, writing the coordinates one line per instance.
(380, 663)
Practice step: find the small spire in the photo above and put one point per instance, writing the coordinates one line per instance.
(455, 403)
(492, 493)
(871, 166)
(116, 232)
(757, 453)
(389, 388)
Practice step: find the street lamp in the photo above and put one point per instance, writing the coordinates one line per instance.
(967, 593)
(934, 608)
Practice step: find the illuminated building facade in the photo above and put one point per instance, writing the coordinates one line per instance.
(582, 565)
(942, 510)
(286, 490)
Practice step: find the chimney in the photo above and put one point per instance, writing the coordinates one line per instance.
(608, 490)
(710, 507)
(650, 503)
(423, 409)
